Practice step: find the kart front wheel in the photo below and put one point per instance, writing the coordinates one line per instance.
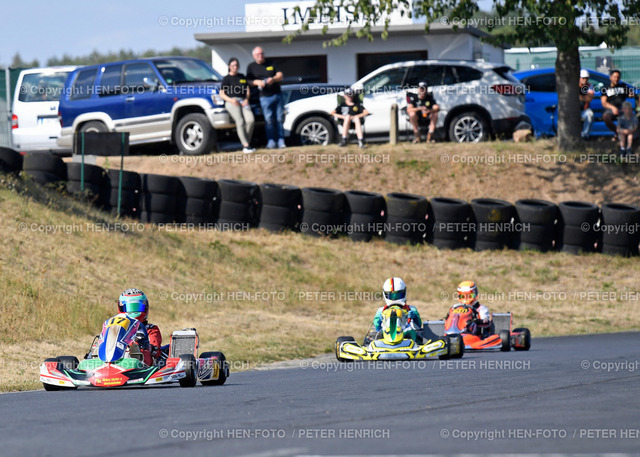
(505, 337)
(524, 339)
(447, 343)
(339, 341)
(460, 341)
(223, 368)
(190, 370)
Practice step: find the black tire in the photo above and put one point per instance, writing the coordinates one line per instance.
(538, 237)
(279, 217)
(160, 184)
(194, 135)
(43, 177)
(577, 237)
(195, 207)
(318, 223)
(492, 210)
(399, 230)
(576, 213)
(525, 334)
(620, 227)
(320, 199)
(619, 250)
(494, 221)
(361, 202)
(450, 209)
(224, 368)
(539, 212)
(468, 127)
(460, 353)
(447, 342)
(157, 218)
(315, 131)
(202, 188)
(158, 203)
(505, 337)
(90, 190)
(191, 367)
(343, 339)
(131, 180)
(130, 199)
(363, 227)
(10, 160)
(93, 127)
(406, 205)
(51, 387)
(44, 161)
(488, 245)
(442, 243)
(282, 195)
(233, 190)
(92, 173)
(237, 212)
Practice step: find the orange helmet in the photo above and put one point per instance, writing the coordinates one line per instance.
(468, 293)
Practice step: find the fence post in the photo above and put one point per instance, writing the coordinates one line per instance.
(393, 127)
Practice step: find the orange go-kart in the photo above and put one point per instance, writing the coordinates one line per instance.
(498, 336)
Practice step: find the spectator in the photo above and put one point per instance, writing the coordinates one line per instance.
(422, 108)
(586, 95)
(612, 98)
(266, 77)
(235, 92)
(349, 110)
(627, 127)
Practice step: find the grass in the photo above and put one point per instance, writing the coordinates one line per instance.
(261, 297)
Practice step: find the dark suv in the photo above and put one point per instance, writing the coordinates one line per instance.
(172, 99)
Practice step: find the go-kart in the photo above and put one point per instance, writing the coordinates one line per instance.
(115, 359)
(498, 336)
(392, 342)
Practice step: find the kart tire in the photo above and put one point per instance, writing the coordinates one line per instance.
(195, 207)
(538, 212)
(280, 195)
(320, 223)
(323, 200)
(460, 353)
(236, 191)
(279, 218)
(365, 203)
(626, 221)
(619, 250)
(408, 206)
(537, 237)
(43, 177)
(362, 227)
(447, 342)
(131, 180)
(51, 387)
(190, 370)
(450, 244)
(340, 340)
(488, 245)
(92, 173)
(159, 184)
(90, 189)
(202, 188)
(158, 203)
(526, 337)
(10, 160)
(156, 218)
(45, 161)
(238, 212)
(573, 238)
(575, 213)
(224, 368)
(505, 337)
(400, 230)
(129, 199)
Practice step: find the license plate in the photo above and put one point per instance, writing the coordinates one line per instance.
(48, 121)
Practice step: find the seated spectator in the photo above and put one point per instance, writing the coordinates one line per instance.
(627, 127)
(351, 109)
(612, 98)
(586, 95)
(422, 109)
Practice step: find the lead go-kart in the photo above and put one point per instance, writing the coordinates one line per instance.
(115, 360)
(392, 343)
(499, 335)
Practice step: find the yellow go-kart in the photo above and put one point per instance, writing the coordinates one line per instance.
(391, 343)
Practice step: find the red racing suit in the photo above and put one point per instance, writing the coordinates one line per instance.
(151, 347)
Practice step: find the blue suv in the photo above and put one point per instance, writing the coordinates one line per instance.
(156, 99)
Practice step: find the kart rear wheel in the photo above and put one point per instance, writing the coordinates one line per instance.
(224, 368)
(51, 387)
(505, 336)
(460, 353)
(190, 370)
(339, 341)
(447, 342)
(525, 334)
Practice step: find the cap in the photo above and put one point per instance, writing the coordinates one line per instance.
(423, 84)
(584, 73)
(348, 91)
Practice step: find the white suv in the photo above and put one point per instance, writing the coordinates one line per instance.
(34, 120)
(476, 100)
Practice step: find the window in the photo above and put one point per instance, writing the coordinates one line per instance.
(541, 83)
(505, 73)
(389, 80)
(111, 80)
(38, 87)
(467, 74)
(433, 75)
(368, 63)
(180, 71)
(135, 75)
(83, 85)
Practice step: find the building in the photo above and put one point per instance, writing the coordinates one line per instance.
(307, 60)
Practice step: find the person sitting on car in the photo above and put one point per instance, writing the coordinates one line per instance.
(468, 295)
(134, 303)
(234, 90)
(612, 98)
(422, 108)
(351, 109)
(395, 293)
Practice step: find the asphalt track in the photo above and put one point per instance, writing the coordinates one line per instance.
(578, 394)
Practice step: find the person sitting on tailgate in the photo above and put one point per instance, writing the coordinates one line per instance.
(395, 293)
(468, 295)
(134, 303)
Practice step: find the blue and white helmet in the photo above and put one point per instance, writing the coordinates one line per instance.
(134, 303)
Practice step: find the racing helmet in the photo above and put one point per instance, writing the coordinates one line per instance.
(468, 293)
(395, 292)
(134, 303)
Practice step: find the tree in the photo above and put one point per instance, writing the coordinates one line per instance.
(17, 62)
(567, 24)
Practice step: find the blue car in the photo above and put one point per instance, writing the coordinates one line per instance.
(541, 95)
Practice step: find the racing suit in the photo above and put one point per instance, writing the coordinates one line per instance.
(413, 320)
(149, 339)
(481, 325)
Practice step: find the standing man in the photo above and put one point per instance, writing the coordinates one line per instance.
(266, 78)
(612, 98)
(586, 95)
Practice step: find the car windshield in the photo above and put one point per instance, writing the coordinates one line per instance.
(181, 71)
(42, 87)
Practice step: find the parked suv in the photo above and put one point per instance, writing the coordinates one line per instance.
(476, 100)
(156, 99)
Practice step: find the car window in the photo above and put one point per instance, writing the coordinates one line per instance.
(466, 74)
(111, 80)
(505, 73)
(433, 75)
(135, 75)
(83, 85)
(541, 83)
(39, 87)
(390, 80)
(180, 71)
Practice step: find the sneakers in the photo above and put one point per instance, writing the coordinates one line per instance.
(281, 144)
(624, 152)
(361, 144)
(343, 142)
(416, 139)
(248, 150)
(271, 144)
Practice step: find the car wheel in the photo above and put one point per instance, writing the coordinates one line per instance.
(224, 368)
(190, 370)
(194, 135)
(315, 131)
(469, 127)
(93, 127)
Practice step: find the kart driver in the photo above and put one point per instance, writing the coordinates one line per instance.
(135, 304)
(468, 295)
(395, 293)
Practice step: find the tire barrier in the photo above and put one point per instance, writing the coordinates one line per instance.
(281, 207)
(131, 191)
(197, 201)
(493, 224)
(451, 222)
(366, 213)
(537, 219)
(10, 160)
(238, 202)
(578, 227)
(620, 226)
(44, 168)
(406, 218)
(322, 211)
(159, 198)
(94, 182)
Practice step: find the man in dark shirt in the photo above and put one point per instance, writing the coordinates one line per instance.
(422, 107)
(612, 98)
(266, 78)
